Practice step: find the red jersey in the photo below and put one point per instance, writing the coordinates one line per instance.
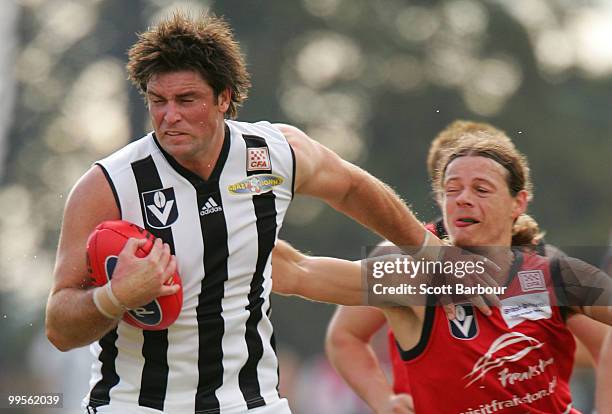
(400, 376)
(517, 360)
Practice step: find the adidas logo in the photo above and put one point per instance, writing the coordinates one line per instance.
(210, 207)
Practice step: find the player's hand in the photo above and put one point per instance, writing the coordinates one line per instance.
(137, 281)
(398, 404)
(485, 274)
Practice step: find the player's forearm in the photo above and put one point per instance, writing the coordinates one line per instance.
(356, 362)
(72, 319)
(330, 280)
(321, 279)
(376, 206)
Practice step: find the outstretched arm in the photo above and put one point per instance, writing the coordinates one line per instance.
(322, 279)
(323, 174)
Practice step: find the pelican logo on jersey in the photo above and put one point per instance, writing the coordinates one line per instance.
(508, 348)
(464, 326)
(210, 207)
(258, 159)
(256, 184)
(531, 280)
(160, 206)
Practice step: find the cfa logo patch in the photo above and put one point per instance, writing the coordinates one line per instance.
(256, 184)
(258, 159)
(464, 326)
(531, 280)
(160, 207)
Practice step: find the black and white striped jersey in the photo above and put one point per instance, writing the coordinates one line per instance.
(219, 356)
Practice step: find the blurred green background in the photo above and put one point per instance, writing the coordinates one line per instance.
(373, 80)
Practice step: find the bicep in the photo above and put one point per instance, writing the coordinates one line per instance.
(90, 202)
(319, 171)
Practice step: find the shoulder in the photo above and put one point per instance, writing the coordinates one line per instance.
(91, 189)
(293, 135)
(130, 152)
(263, 129)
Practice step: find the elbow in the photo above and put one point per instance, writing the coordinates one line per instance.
(54, 333)
(336, 342)
(57, 340)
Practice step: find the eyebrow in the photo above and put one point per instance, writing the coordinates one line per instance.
(451, 179)
(180, 95)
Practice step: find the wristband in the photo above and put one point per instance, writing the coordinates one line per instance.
(424, 244)
(96, 300)
(113, 298)
(427, 250)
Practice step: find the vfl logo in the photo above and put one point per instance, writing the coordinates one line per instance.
(149, 314)
(258, 159)
(464, 326)
(489, 361)
(256, 184)
(160, 207)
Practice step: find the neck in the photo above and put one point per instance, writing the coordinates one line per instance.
(204, 161)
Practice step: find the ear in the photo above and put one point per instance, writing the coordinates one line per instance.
(520, 204)
(224, 99)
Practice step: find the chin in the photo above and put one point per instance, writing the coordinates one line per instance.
(465, 240)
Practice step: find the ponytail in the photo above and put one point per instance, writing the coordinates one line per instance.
(526, 231)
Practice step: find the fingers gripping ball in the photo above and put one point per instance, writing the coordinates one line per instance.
(103, 248)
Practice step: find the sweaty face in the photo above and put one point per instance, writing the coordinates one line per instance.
(477, 205)
(186, 115)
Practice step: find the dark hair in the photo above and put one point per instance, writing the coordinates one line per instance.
(205, 45)
(452, 134)
(525, 230)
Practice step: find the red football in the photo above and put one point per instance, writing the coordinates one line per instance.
(103, 248)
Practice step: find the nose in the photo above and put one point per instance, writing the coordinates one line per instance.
(464, 198)
(172, 114)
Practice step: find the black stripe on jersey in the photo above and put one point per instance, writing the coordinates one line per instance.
(426, 330)
(559, 286)
(100, 393)
(293, 174)
(154, 380)
(112, 186)
(209, 311)
(273, 345)
(211, 326)
(265, 211)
